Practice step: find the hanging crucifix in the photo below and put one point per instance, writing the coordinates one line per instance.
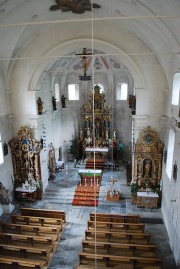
(86, 62)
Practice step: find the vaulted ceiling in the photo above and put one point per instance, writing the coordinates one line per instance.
(29, 30)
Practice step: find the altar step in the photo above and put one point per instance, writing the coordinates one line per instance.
(95, 164)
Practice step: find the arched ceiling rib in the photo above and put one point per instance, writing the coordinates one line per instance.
(155, 22)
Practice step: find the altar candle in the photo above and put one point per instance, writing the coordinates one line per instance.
(97, 182)
(85, 181)
(91, 181)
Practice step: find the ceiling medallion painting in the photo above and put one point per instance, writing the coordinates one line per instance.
(76, 6)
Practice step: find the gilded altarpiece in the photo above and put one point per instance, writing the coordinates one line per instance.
(25, 152)
(148, 154)
(97, 121)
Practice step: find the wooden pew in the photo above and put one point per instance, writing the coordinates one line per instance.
(117, 237)
(43, 213)
(116, 226)
(25, 252)
(53, 232)
(119, 249)
(19, 219)
(28, 240)
(105, 217)
(113, 261)
(20, 263)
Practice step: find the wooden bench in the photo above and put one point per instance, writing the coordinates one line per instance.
(105, 217)
(116, 226)
(20, 263)
(43, 213)
(19, 219)
(112, 261)
(53, 232)
(25, 252)
(119, 249)
(117, 237)
(28, 240)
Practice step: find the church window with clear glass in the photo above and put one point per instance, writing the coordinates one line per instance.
(121, 91)
(170, 153)
(176, 89)
(1, 152)
(73, 92)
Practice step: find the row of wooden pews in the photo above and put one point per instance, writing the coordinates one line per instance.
(31, 238)
(119, 242)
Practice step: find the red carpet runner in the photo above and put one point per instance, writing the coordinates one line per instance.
(87, 192)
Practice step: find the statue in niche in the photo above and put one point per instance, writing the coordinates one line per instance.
(40, 106)
(88, 133)
(106, 134)
(139, 169)
(114, 135)
(147, 168)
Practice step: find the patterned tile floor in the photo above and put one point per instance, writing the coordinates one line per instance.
(59, 195)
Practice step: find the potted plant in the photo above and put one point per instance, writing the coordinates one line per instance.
(134, 187)
(74, 150)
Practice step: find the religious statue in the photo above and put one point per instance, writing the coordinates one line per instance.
(132, 102)
(54, 103)
(81, 135)
(40, 106)
(88, 141)
(106, 134)
(88, 132)
(114, 135)
(63, 101)
(147, 169)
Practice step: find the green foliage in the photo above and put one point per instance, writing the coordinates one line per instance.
(74, 148)
(156, 188)
(121, 147)
(134, 187)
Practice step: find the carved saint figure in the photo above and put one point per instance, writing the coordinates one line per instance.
(147, 168)
(54, 103)
(63, 101)
(40, 106)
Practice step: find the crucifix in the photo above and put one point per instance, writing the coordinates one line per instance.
(86, 62)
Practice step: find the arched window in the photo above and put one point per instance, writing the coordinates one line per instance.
(170, 153)
(176, 89)
(1, 152)
(73, 92)
(121, 91)
(56, 89)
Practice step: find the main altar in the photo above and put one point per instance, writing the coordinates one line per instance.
(97, 131)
